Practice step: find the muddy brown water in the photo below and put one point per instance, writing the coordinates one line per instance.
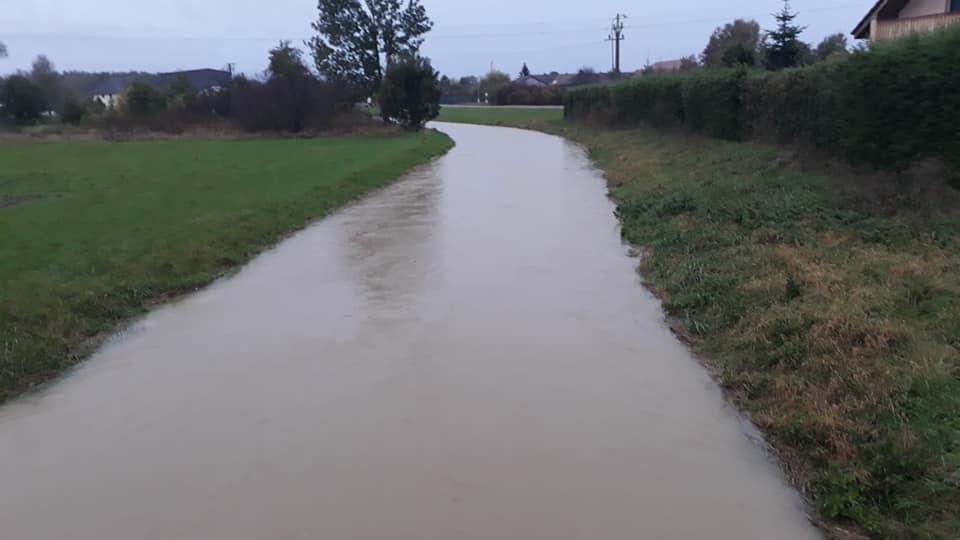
(467, 354)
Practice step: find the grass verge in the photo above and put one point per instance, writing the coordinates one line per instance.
(827, 303)
(93, 231)
(500, 116)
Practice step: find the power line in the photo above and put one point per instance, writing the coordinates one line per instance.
(533, 32)
(616, 36)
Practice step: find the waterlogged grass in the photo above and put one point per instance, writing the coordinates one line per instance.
(829, 306)
(501, 116)
(91, 231)
(828, 303)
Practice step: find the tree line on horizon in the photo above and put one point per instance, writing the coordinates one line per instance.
(363, 51)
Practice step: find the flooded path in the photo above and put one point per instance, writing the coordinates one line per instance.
(467, 354)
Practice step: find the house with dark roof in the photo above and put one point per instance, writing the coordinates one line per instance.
(890, 19)
(537, 81)
(202, 80)
(563, 80)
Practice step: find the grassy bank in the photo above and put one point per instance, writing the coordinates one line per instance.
(500, 116)
(828, 304)
(92, 230)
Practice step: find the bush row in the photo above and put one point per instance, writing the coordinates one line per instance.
(888, 106)
(517, 94)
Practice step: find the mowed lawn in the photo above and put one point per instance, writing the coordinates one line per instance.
(500, 116)
(91, 231)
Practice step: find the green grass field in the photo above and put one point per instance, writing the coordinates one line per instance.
(92, 231)
(828, 303)
(500, 116)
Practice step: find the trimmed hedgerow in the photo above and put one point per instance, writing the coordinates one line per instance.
(889, 106)
(711, 102)
(657, 101)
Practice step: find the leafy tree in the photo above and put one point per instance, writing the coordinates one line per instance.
(739, 55)
(831, 46)
(733, 44)
(180, 92)
(492, 83)
(525, 72)
(44, 75)
(21, 100)
(3, 50)
(689, 64)
(357, 39)
(143, 99)
(410, 93)
(295, 96)
(783, 46)
(73, 111)
(286, 61)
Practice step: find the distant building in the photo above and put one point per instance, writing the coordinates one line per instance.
(563, 80)
(666, 66)
(897, 18)
(202, 80)
(536, 81)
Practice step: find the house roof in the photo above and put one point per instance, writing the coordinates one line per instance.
(883, 8)
(200, 79)
(668, 65)
(545, 80)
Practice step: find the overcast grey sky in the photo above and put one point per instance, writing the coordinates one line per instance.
(560, 35)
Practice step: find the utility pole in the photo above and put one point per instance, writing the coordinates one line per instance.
(616, 36)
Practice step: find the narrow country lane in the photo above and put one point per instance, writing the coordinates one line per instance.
(467, 354)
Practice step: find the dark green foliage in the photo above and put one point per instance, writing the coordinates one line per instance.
(73, 110)
(3, 50)
(518, 94)
(45, 76)
(180, 92)
(782, 47)
(888, 106)
(795, 105)
(733, 44)
(739, 54)
(711, 102)
(590, 103)
(832, 46)
(655, 99)
(410, 93)
(462, 90)
(525, 72)
(143, 99)
(21, 100)
(352, 35)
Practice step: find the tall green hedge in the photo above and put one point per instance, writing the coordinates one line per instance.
(888, 106)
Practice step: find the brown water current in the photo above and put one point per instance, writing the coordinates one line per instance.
(467, 354)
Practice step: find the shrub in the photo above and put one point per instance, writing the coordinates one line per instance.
(589, 102)
(711, 102)
(142, 99)
(410, 92)
(793, 106)
(888, 106)
(73, 111)
(289, 104)
(654, 99)
(518, 94)
(21, 100)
